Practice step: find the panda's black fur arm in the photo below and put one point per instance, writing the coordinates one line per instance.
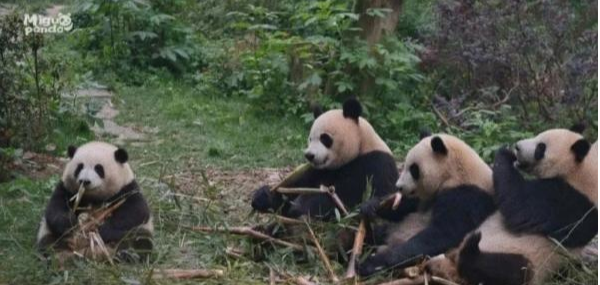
(350, 182)
(132, 213)
(265, 200)
(59, 216)
(489, 268)
(455, 213)
(549, 207)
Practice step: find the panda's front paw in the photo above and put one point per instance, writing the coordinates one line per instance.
(372, 264)
(504, 156)
(262, 199)
(369, 208)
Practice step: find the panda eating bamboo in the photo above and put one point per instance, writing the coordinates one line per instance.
(99, 184)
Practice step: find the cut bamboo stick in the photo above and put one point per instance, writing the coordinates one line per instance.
(322, 254)
(248, 231)
(356, 250)
(292, 177)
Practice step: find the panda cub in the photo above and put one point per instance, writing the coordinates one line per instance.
(454, 190)
(344, 151)
(561, 203)
(103, 171)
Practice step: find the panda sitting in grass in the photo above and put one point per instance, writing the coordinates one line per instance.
(561, 202)
(96, 177)
(344, 151)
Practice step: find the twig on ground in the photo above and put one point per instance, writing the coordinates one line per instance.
(359, 240)
(186, 273)
(248, 231)
(322, 254)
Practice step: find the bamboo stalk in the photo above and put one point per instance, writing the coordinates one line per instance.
(312, 191)
(322, 254)
(248, 231)
(289, 221)
(356, 249)
(394, 199)
(187, 273)
(406, 281)
(292, 177)
(301, 190)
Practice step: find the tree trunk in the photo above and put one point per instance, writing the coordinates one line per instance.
(374, 27)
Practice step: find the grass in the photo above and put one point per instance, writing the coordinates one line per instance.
(189, 133)
(195, 143)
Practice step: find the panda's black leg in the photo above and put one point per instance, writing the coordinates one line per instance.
(137, 246)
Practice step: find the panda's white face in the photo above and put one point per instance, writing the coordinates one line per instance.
(422, 172)
(101, 168)
(551, 153)
(334, 140)
(441, 162)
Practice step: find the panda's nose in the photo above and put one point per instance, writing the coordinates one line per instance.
(309, 156)
(84, 182)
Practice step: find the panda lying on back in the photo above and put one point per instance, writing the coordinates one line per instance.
(561, 203)
(103, 171)
(344, 151)
(455, 195)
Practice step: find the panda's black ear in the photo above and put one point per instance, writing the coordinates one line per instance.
(71, 151)
(316, 109)
(352, 109)
(581, 148)
(423, 133)
(578, 128)
(437, 144)
(121, 155)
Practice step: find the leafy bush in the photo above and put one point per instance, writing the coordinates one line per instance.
(309, 52)
(30, 85)
(540, 56)
(137, 34)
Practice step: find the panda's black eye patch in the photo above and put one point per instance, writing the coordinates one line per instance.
(100, 170)
(78, 169)
(326, 140)
(415, 172)
(540, 151)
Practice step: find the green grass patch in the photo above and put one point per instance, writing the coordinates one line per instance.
(218, 131)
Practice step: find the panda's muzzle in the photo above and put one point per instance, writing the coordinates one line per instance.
(84, 182)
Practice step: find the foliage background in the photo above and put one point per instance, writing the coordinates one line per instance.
(229, 83)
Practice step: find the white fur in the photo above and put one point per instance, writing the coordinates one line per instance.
(545, 257)
(116, 175)
(43, 231)
(462, 165)
(350, 139)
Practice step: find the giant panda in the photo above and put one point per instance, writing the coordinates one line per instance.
(344, 151)
(103, 171)
(454, 194)
(561, 202)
